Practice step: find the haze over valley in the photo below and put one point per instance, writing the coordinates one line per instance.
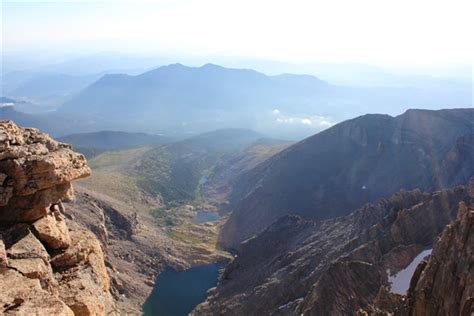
(236, 158)
(178, 100)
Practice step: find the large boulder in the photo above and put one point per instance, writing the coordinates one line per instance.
(52, 230)
(83, 289)
(35, 172)
(20, 295)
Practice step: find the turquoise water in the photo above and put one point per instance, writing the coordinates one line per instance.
(203, 217)
(178, 293)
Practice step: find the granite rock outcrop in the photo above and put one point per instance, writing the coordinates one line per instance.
(48, 266)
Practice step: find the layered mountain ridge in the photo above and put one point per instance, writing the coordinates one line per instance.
(198, 99)
(352, 163)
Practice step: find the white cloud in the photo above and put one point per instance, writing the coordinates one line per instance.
(306, 121)
(315, 121)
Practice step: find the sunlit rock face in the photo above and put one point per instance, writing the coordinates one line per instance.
(444, 284)
(47, 267)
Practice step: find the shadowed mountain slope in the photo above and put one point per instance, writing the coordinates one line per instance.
(352, 163)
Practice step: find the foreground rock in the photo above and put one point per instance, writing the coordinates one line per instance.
(47, 267)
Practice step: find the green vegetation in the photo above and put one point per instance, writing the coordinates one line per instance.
(164, 180)
(181, 235)
(176, 216)
(118, 159)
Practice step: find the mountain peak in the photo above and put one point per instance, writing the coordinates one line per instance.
(175, 66)
(211, 66)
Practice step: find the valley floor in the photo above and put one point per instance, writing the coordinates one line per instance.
(139, 244)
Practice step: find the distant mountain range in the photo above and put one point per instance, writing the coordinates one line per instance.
(181, 99)
(19, 105)
(352, 163)
(209, 97)
(47, 90)
(54, 123)
(212, 97)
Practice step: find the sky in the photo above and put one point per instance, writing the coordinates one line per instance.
(378, 32)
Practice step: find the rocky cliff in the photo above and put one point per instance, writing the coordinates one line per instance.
(444, 283)
(336, 266)
(48, 265)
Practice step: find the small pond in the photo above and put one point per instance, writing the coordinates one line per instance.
(203, 217)
(178, 293)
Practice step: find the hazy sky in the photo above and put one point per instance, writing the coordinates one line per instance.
(368, 31)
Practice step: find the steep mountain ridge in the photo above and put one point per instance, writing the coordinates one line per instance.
(220, 182)
(445, 283)
(345, 166)
(335, 266)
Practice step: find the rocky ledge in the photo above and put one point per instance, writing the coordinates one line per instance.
(48, 266)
